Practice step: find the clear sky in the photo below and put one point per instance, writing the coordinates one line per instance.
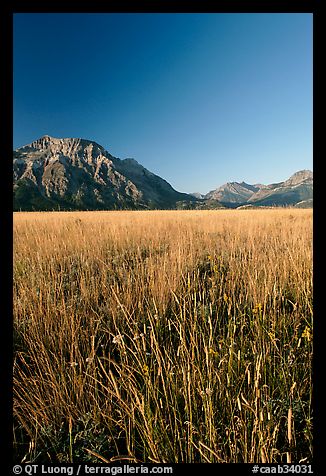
(199, 99)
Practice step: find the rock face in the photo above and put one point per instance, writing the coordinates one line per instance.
(80, 174)
(296, 191)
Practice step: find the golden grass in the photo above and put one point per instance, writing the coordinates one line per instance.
(163, 336)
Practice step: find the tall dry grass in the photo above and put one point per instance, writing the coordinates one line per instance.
(163, 336)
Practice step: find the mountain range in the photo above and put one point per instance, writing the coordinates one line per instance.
(79, 174)
(296, 191)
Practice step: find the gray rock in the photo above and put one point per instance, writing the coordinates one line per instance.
(80, 174)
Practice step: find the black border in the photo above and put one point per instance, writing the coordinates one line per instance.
(6, 220)
(152, 6)
(166, 6)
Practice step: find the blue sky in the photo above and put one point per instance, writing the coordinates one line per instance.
(199, 99)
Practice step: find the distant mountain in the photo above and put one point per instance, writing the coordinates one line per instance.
(232, 193)
(296, 190)
(80, 174)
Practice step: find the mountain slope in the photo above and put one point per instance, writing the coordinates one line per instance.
(232, 193)
(297, 189)
(154, 189)
(80, 174)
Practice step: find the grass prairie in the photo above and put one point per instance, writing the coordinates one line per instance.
(163, 336)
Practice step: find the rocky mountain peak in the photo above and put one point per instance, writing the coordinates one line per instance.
(75, 173)
(47, 142)
(44, 142)
(297, 189)
(73, 149)
(232, 192)
(300, 177)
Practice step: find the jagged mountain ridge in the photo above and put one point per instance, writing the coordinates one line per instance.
(232, 192)
(297, 189)
(80, 174)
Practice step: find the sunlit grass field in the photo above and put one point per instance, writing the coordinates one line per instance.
(163, 336)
